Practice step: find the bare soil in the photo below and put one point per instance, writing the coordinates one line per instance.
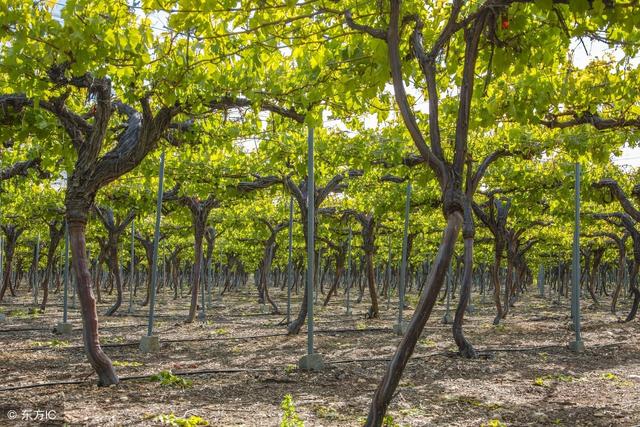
(526, 375)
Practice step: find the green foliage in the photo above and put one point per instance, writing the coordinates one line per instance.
(616, 379)
(54, 343)
(18, 314)
(494, 423)
(174, 421)
(610, 376)
(113, 340)
(124, 363)
(290, 417)
(500, 328)
(32, 313)
(427, 342)
(166, 378)
(326, 413)
(470, 400)
(388, 421)
(544, 381)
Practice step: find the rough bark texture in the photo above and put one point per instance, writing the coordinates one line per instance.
(450, 174)
(147, 244)
(340, 257)
(368, 223)
(114, 231)
(97, 358)
(11, 233)
(495, 219)
(391, 378)
(626, 221)
(270, 248)
(595, 268)
(22, 169)
(299, 193)
(200, 211)
(94, 168)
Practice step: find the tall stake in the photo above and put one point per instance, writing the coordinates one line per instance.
(576, 345)
(156, 239)
(310, 238)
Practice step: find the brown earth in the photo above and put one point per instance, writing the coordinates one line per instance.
(525, 377)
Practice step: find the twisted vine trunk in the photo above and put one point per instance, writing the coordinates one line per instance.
(508, 283)
(336, 280)
(620, 279)
(391, 378)
(115, 271)
(464, 346)
(597, 258)
(495, 277)
(269, 253)
(295, 326)
(12, 233)
(371, 280)
(633, 287)
(97, 358)
(197, 266)
(55, 235)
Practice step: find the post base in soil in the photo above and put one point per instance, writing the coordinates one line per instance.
(264, 309)
(348, 312)
(3, 317)
(446, 319)
(576, 346)
(571, 326)
(150, 344)
(400, 328)
(63, 328)
(202, 316)
(311, 362)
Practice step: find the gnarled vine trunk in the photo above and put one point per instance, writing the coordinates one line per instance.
(391, 378)
(78, 204)
(12, 233)
(56, 231)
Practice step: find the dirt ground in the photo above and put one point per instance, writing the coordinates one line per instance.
(525, 377)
